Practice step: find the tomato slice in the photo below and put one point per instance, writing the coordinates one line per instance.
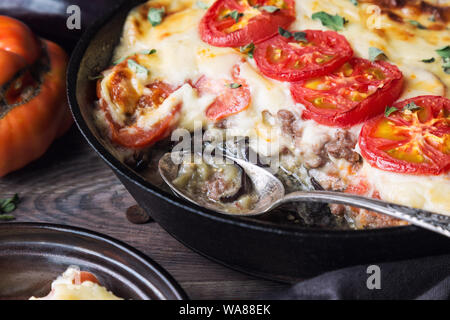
(357, 91)
(287, 59)
(86, 276)
(233, 95)
(127, 102)
(414, 140)
(235, 23)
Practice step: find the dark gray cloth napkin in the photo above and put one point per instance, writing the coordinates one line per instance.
(422, 279)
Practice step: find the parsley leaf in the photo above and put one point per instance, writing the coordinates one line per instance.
(417, 24)
(234, 85)
(156, 15)
(354, 2)
(444, 52)
(411, 107)
(375, 53)
(248, 49)
(236, 15)
(93, 78)
(298, 36)
(202, 5)
(335, 22)
(7, 206)
(446, 67)
(270, 9)
(389, 110)
(139, 70)
(7, 217)
(284, 32)
(119, 60)
(428, 60)
(445, 55)
(152, 51)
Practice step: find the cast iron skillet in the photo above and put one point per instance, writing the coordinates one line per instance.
(32, 255)
(260, 248)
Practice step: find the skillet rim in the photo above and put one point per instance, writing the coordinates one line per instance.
(127, 173)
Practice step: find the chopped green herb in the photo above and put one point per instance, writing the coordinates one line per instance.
(148, 52)
(156, 15)
(284, 32)
(428, 60)
(139, 70)
(444, 52)
(234, 85)
(248, 49)
(10, 207)
(6, 217)
(93, 78)
(119, 60)
(445, 55)
(300, 36)
(375, 53)
(446, 66)
(417, 24)
(412, 107)
(335, 22)
(7, 206)
(236, 15)
(202, 5)
(432, 18)
(389, 110)
(354, 2)
(270, 9)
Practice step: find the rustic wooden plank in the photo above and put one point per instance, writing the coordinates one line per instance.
(71, 185)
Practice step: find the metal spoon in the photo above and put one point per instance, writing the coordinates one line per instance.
(271, 194)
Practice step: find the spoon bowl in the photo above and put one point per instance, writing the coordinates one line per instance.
(270, 193)
(268, 190)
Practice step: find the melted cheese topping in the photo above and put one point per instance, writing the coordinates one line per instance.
(425, 192)
(404, 44)
(182, 58)
(65, 288)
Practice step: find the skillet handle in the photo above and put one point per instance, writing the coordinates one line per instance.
(432, 221)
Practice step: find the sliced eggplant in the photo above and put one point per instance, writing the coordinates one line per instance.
(240, 186)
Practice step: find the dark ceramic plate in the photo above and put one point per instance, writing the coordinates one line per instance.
(32, 256)
(258, 247)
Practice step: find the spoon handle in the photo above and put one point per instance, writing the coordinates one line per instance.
(428, 220)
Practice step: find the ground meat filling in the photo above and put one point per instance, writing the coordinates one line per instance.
(287, 120)
(329, 147)
(342, 147)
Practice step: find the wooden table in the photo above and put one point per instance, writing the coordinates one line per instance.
(71, 185)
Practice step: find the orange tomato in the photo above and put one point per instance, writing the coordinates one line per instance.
(87, 276)
(33, 107)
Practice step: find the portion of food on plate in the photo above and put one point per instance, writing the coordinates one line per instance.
(74, 284)
(350, 96)
(33, 106)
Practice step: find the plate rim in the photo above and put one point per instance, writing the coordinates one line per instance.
(173, 285)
